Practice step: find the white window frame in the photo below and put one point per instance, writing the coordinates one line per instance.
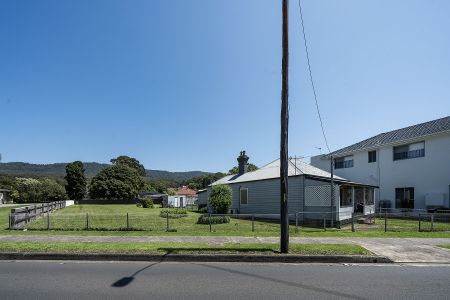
(240, 196)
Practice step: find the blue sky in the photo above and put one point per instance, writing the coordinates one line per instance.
(185, 85)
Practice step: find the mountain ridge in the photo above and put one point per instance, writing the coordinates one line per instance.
(92, 168)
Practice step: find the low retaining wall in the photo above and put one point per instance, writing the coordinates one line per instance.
(21, 216)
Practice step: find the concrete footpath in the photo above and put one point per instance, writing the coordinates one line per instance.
(400, 250)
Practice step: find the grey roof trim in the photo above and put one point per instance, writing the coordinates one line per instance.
(397, 137)
(326, 179)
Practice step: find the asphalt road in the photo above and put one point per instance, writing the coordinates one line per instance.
(140, 280)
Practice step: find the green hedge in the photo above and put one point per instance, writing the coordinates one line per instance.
(205, 219)
(174, 213)
(147, 203)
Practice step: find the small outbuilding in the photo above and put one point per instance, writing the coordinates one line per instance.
(4, 196)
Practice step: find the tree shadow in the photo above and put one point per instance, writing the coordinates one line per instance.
(124, 281)
(287, 283)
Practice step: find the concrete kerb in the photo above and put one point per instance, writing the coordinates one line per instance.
(253, 258)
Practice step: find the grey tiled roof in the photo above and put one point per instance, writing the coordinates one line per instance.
(399, 135)
(272, 170)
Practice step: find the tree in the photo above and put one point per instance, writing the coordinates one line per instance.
(76, 180)
(50, 191)
(26, 190)
(116, 182)
(220, 198)
(131, 162)
(235, 170)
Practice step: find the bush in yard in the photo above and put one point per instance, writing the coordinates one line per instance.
(147, 202)
(220, 198)
(205, 219)
(173, 213)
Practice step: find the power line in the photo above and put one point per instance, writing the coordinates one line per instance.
(311, 78)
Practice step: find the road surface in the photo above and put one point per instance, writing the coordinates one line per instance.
(169, 280)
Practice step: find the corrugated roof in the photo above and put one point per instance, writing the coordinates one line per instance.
(397, 136)
(272, 170)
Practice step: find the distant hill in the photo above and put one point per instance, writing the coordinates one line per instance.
(92, 168)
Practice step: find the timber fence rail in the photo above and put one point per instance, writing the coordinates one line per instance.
(19, 217)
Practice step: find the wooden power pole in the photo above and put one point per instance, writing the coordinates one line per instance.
(284, 214)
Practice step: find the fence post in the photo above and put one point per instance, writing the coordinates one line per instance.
(385, 221)
(419, 224)
(353, 222)
(432, 221)
(210, 227)
(167, 221)
(253, 223)
(87, 221)
(9, 221)
(324, 223)
(296, 222)
(128, 223)
(48, 221)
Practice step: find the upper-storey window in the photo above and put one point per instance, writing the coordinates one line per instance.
(343, 162)
(372, 156)
(409, 151)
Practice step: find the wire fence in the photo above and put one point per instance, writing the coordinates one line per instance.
(386, 221)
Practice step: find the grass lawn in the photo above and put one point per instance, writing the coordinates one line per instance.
(186, 248)
(112, 220)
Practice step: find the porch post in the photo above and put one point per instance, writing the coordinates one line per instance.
(353, 197)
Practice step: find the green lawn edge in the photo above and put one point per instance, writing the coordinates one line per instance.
(180, 248)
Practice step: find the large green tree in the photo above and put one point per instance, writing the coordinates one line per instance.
(235, 169)
(116, 182)
(220, 198)
(26, 190)
(130, 162)
(76, 180)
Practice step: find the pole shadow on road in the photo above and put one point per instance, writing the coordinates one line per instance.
(124, 281)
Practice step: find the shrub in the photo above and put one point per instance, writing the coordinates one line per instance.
(174, 213)
(205, 219)
(203, 209)
(147, 202)
(220, 198)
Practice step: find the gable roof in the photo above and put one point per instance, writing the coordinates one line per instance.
(397, 136)
(186, 191)
(296, 167)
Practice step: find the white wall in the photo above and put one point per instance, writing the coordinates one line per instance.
(428, 175)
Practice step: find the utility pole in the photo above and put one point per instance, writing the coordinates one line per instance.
(284, 214)
(332, 190)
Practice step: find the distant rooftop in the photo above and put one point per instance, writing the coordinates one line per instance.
(400, 135)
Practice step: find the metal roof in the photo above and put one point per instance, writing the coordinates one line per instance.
(397, 136)
(297, 167)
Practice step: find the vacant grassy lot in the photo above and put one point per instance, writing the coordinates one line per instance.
(112, 220)
(191, 248)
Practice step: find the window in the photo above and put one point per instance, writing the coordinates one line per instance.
(369, 196)
(404, 197)
(372, 156)
(343, 162)
(409, 151)
(346, 196)
(243, 196)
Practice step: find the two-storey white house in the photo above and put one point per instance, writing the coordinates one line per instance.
(411, 165)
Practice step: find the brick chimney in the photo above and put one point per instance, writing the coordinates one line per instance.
(243, 162)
